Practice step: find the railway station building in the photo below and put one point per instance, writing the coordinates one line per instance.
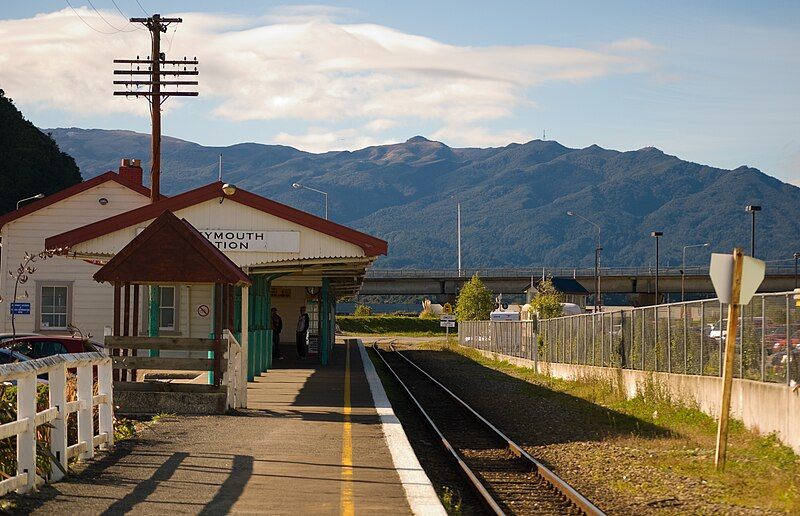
(293, 259)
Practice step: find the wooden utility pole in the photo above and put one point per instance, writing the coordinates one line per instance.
(157, 67)
(730, 353)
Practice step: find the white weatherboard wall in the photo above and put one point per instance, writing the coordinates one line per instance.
(764, 407)
(91, 301)
(230, 214)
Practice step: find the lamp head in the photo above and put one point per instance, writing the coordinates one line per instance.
(38, 196)
(571, 213)
(228, 189)
(752, 208)
(657, 234)
(706, 244)
(297, 186)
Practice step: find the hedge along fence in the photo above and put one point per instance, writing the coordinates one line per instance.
(388, 324)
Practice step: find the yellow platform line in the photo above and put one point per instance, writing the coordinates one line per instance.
(347, 504)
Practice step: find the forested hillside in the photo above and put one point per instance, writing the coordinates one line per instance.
(514, 199)
(30, 160)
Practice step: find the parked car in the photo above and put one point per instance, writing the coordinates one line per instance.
(40, 346)
(8, 336)
(8, 356)
(780, 343)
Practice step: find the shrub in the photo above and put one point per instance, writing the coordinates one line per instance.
(547, 301)
(362, 310)
(475, 302)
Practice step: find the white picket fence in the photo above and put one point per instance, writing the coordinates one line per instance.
(28, 418)
(235, 378)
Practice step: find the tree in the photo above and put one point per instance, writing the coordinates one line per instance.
(547, 301)
(30, 161)
(475, 302)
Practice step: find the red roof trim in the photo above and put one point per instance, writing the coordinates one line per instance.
(69, 192)
(372, 246)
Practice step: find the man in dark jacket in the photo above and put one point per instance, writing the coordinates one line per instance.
(302, 330)
(277, 326)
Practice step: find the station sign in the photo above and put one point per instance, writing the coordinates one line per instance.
(253, 241)
(21, 308)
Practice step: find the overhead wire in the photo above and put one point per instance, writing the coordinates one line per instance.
(142, 8)
(125, 16)
(108, 22)
(87, 23)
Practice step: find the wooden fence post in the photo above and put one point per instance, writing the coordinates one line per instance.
(57, 379)
(105, 411)
(85, 419)
(26, 441)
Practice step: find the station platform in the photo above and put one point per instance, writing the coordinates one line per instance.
(312, 441)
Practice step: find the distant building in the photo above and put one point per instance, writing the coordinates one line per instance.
(572, 290)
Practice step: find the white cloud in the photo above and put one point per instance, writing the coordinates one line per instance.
(466, 136)
(298, 63)
(319, 139)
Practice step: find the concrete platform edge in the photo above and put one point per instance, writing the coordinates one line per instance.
(420, 493)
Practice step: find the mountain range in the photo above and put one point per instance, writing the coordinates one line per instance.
(513, 199)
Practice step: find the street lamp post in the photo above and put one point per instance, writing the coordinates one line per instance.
(458, 217)
(683, 265)
(598, 301)
(752, 209)
(657, 235)
(796, 257)
(298, 186)
(37, 196)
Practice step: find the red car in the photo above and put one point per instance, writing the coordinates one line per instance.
(40, 346)
(780, 343)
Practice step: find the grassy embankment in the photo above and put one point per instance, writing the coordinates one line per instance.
(389, 325)
(760, 471)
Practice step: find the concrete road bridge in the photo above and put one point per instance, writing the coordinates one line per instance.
(619, 280)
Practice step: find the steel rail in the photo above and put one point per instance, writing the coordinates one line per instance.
(559, 484)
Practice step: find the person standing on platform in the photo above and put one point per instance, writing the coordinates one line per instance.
(302, 331)
(277, 326)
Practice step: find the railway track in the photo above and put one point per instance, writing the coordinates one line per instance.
(506, 478)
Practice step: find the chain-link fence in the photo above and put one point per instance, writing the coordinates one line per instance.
(686, 338)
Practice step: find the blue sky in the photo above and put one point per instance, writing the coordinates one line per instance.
(715, 83)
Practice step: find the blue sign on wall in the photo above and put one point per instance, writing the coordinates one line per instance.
(21, 308)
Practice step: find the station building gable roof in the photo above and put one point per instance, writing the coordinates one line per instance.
(367, 245)
(184, 256)
(566, 286)
(70, 192)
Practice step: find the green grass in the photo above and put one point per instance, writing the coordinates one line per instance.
(760, 471)
(389, 325)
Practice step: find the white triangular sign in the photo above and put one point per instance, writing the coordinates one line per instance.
(721, 272)
(753, 271)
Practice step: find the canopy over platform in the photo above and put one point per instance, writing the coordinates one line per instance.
(171, 250)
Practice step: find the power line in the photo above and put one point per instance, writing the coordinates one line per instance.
(87, 23)
(172, 39)
(124, 15)
(142, 8)
(107, 22)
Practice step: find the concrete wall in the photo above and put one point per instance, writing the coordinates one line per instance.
(763, 407)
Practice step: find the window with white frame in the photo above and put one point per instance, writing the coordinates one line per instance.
(166, 319)
(53, 307)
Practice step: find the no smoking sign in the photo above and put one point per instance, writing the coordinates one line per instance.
(203, 310)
